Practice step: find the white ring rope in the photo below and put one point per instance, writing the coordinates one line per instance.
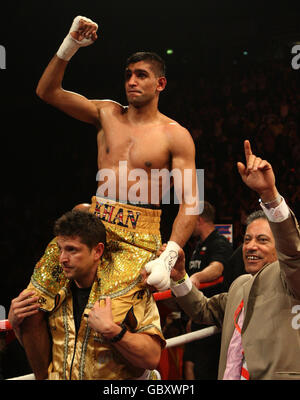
(190, 337)
(175, 341)
(29, 377)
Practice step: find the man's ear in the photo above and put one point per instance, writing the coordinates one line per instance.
(161, 83)
(99, 249)
(200, 220)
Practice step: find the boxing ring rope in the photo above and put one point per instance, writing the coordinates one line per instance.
(190, 337)
(195, 335)
(5, 326)
(28, 377)
(172, 342)
(167, 294)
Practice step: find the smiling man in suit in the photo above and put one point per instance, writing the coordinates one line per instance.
(260, 339)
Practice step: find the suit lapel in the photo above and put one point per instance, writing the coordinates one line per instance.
(247, 296)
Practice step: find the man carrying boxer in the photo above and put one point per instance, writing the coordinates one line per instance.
(112, 338)
(130, 139)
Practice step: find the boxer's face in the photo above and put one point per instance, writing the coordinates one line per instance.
(78, 261)
(141, 83)
(259, 246)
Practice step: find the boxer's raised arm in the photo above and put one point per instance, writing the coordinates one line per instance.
(49, 89)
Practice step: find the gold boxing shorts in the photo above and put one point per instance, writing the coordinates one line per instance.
(132, 237)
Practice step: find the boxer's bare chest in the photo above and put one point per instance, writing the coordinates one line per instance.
(143, 146)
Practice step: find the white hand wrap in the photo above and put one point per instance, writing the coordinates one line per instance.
(70, 45)
(160, 268)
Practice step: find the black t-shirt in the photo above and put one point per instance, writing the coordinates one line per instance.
(80, 299)
(205, 352)
(215, 247)
(236, 267)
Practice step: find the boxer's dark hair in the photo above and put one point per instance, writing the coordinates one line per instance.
(157, 62)
(86, 226)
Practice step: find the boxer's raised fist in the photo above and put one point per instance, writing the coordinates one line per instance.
(84, 30)
(81, 34)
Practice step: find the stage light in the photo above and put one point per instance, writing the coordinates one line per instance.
(169, 51)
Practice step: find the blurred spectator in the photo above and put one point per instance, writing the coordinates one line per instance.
(207, 263)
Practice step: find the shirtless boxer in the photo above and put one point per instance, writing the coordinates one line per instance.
(137, 134)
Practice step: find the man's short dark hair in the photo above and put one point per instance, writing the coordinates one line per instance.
(85, 225)
(154, 59)
(255, 215)
(209, 212)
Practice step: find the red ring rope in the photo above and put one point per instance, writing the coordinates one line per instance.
(168, 294)
(6, 326)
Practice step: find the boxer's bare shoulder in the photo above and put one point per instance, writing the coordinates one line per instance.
(176, 134)
(109, 106)
(180, 145)
(108, 111)
(106, 103)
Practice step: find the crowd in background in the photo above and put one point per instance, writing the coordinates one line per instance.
(262, 104)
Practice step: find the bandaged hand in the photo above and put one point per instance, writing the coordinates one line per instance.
(160, 268)
(81, 34)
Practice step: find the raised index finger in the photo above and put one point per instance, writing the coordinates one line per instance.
(248, 151)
